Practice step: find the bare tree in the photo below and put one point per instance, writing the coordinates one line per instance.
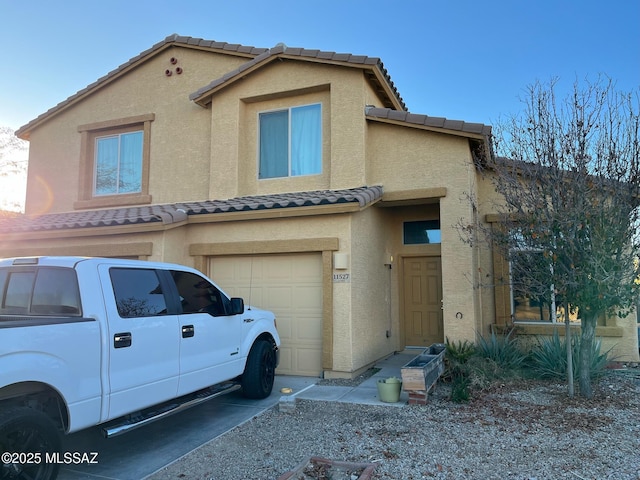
(13, 161)
(567, 174)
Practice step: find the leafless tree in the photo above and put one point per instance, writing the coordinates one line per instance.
(13, 160)
(567, 173)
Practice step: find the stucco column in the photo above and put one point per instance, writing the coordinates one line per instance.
(461, 309)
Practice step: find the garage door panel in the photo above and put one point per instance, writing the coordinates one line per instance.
(279, 297)
(307, 297)
(308, 359)
(291, 287)
(307, 328)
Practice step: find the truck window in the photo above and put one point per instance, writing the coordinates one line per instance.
(138, 292)
(199, 295)
(39, 291)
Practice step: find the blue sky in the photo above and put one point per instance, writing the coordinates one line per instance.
(466, 59)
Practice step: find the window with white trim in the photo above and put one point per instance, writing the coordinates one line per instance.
(290, 142)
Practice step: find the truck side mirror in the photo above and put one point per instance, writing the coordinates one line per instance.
(237, 306)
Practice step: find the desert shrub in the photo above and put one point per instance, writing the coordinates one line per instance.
(475, 367)
(457, 354)
(504, 350)
(548, 358)
(460, 389)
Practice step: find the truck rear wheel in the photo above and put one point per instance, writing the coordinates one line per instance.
(259, 372)
(26, 437)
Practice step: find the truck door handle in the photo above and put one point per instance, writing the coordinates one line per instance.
(188, 331)
(122, 340)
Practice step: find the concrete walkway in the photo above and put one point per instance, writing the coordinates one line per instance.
(367, 391)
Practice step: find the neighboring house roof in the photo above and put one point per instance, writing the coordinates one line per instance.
(377, 73)
(8, 214)
(256, 56)
(436, 123)
(178, 212)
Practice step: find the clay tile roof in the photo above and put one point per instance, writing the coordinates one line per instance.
(283, 50)
(8, 214)
(178, 212)
(437, 122)
(255, 55)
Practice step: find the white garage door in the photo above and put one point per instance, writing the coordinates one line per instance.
(291, 287)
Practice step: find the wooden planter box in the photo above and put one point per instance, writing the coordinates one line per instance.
(422, 373)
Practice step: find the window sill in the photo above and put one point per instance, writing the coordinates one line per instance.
(547, 328)
(113, 201)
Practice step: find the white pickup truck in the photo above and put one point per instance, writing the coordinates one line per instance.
(117, 343)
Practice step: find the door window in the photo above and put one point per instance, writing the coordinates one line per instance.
(138, 292)
(198, 294)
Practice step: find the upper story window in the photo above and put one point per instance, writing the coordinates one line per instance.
(118, 164)
(290, 142)
(421, 232)
(114, 162)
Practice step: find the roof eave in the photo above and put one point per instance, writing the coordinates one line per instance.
(169, 42)
(431, 128)
(204, 96)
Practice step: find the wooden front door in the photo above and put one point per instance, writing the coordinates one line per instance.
(422, 282)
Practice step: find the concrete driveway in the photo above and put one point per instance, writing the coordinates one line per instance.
(141, 452)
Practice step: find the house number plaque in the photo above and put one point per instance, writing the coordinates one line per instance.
(341, 278)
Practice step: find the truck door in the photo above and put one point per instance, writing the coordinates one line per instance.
(143, 339)
(210, 338)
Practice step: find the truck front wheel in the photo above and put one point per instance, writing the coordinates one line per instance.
(259, 372)
(28, 438)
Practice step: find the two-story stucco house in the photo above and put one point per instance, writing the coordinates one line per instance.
(294, 178)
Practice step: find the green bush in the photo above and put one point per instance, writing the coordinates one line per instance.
(460, 389)
(469, 366)
(455, 371)
(459, 352)
(548, 359)
(504, 350)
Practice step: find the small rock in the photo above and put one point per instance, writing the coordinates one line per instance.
(287, 404)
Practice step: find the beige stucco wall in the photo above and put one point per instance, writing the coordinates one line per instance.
(404, 159)
(235, 109)
(180, 142)
(372, 314)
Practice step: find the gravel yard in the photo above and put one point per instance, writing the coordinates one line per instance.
(528, 430)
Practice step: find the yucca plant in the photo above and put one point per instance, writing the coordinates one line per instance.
(504, 350)
(549, 358)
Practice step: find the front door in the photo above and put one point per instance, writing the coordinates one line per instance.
(422, 283)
